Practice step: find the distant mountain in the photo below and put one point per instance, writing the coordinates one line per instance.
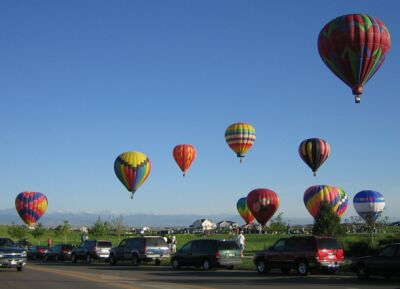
(10, 216)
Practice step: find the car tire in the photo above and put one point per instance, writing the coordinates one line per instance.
(362, 272)
(206, 264)
(157, 262)
(135, 260)
(302, 268)
(261, 266)
(88, 258)
(74, 259)
(175, 264)
(20, 268)
(112, 260)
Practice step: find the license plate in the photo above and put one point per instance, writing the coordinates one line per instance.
(231, 255)
(13, 262)
(330, 256)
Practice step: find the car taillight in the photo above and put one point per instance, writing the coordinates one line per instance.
(145, 250)
(241, 254)
(217, 255)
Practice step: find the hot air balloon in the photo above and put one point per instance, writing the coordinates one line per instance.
(353, 47)
(315, 195)
(132, 169)
(369, 205)
(262, 203)
(314, 152)
(240, 138)
(31, 206)
(244, 211)
(184, 155)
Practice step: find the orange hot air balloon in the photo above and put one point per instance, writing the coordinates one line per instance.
(184, 155)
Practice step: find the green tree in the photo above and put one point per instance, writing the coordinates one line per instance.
(327, 222)
(100, 228)
(63, 230)
(118, 227)
(39, 231)
(17, 232)
(277, 224)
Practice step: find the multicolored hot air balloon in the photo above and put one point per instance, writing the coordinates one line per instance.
(244, 211)
(315, 195)
(132, 169)
(31, 206)
(184, 155)
(262, 203)
(369, 205)
(353, 47)
(240, 137)
(314, 152)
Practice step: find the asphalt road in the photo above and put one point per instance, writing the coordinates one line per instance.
(100, 276)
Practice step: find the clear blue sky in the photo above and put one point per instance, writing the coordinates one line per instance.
(83, 81)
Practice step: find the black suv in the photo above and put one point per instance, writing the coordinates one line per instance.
(91, 250)
(208, 253)
(301, 254)
(11, 256)
(140, 249)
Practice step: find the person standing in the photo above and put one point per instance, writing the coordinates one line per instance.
(49, 242)
(241, 242)
(173, 245)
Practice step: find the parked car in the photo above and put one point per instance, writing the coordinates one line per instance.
(92, 250)
(59, 252)
(302, 254)
(140, 249)
(385, 262)
(11, 256)
(208, 253)
(37, 252)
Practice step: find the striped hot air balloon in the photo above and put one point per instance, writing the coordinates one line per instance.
(314, 152)
(353, 47)
(315, 195)
(132, 169)
(31, 206)
(240, 137)
(369, 205)
(184, 155)
(244, 211)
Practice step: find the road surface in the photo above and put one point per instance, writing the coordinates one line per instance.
(101, 276)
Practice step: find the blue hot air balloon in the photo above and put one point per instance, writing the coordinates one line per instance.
(369, 205)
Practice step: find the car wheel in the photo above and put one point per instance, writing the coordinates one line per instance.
(135, 260)
(20, 268)
(175, 263)
(302, 268)
(157, 262)
(74, 259)
(206, 264)
(261, 266)
(285, 270)
(88, 258)
(362, 272)
(112, 260)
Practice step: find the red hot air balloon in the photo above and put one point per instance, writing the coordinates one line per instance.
(353, 47)
(184, 155)
(263, 203)
(31, 206)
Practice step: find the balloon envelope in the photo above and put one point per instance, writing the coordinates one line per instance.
(262, 203)
(240, 137)
(314, 152)
(31, 206)
(315, 195)
(184, 155)
(132, 169)
(244, 211)
(369, 204)
(353, 47)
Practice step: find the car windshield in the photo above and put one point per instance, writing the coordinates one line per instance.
(328, 243)
(156, 242)
(228, 245)
(104, 244)
(6, 243)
